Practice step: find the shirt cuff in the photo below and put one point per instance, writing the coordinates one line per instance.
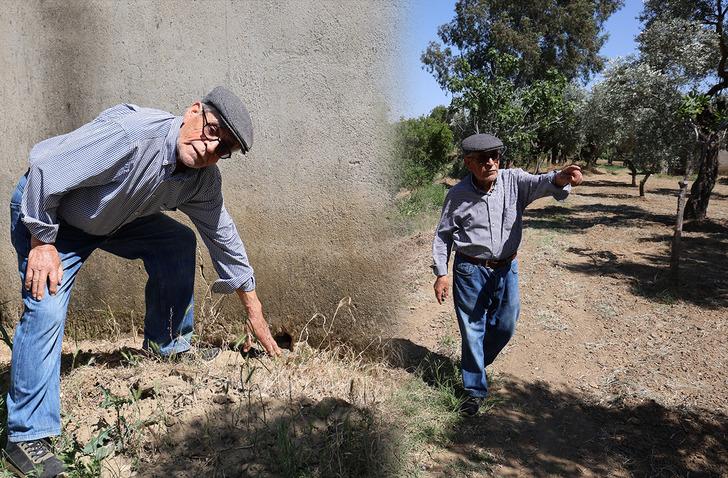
(439, 270)
(228, 286)
(560, 192)
(43, 232)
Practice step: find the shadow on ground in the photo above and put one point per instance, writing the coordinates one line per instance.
(542, 431)
(703, 258)
(674, 191)
(703, 262)
(579, 219)
(636, 194)
(262, 437)
(551, 432)
(601, 183)
(433, 368)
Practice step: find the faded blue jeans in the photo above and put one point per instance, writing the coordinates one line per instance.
(487, 304)
(167, 249)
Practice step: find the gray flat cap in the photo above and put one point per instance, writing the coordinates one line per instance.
(234, 114)
(481, 142)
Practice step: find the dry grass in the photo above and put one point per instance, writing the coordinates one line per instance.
(313, 412)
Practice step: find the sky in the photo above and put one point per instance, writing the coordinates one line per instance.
(421, 91)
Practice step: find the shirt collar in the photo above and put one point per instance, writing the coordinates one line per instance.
(169, 162)
(170, 142)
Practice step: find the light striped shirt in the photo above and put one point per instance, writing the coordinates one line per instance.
(119, 167)
(489, 225)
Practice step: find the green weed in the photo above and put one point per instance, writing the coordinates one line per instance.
(423, 199)
(122, 430)
(286, 452)
(129, 358)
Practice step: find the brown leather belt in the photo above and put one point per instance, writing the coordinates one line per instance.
(492, 263)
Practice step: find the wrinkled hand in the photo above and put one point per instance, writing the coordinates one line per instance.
(569, 175)
(258, 324)
(44, 268)
(442, 288)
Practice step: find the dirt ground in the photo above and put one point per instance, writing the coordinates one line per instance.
(612, 372)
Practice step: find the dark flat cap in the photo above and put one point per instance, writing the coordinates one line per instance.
(481, 142)
(234, 114)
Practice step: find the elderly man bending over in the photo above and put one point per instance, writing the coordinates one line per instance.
(104, 186)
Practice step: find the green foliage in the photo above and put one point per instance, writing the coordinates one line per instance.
(122, 430)
(541, 35)
(422, 147)
(680, 48)
(687, 41)
(426, 198)
(528, 119)
(708, 111)
(633, 113)
(512, 68)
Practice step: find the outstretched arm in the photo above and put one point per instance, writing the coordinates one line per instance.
(556, 184)
(207, 211)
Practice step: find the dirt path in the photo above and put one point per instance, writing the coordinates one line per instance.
(612, 372)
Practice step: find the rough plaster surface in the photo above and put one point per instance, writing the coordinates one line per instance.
(308, 200)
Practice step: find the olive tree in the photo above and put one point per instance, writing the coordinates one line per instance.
(686, 40)
(634, 112)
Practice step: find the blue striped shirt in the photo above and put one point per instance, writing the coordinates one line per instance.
(489, 225)
(119, 167)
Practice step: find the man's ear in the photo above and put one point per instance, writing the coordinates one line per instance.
(193, 110)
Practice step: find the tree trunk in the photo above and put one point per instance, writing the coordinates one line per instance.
(632, 171)
(676, 246)
(697, 205)
(642, 184)
(539, 160)
(589, 155)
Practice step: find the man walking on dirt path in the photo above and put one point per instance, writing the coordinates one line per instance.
(104, 186)
(482, 221)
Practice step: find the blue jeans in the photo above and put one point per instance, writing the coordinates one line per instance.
(167, 249)
(487, 304)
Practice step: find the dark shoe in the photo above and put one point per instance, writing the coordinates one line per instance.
(33, 458)
(470, 406)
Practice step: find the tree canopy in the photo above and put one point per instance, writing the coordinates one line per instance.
(634, 113)
(542, 35)
(686, 40)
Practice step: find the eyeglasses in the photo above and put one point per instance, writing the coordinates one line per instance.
(211, 132)
(483, 158)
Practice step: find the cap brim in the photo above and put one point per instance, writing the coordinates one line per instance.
(243, 147)
(501, 148)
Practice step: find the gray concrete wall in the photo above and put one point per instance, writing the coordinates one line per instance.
(308, 199)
